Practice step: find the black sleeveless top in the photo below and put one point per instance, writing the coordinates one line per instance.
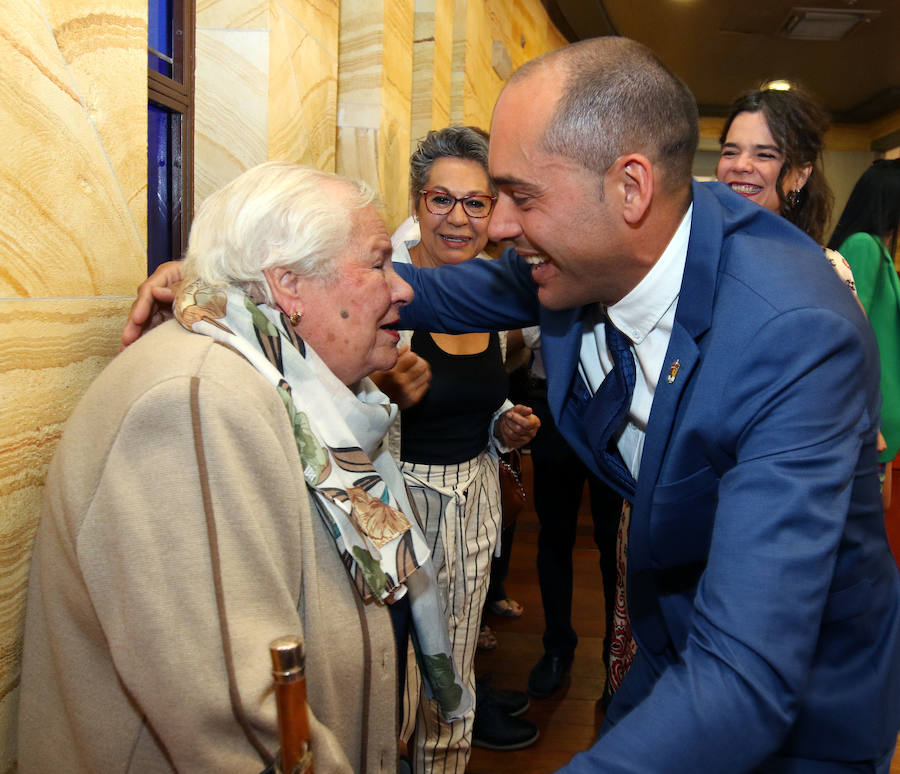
(450, 424)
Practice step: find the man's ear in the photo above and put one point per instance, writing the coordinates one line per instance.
(285, 288)
(634, 178)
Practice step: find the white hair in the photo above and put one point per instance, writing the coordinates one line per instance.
(276, 214)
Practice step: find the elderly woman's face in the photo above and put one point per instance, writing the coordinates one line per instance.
(454, 237)
(344, 319)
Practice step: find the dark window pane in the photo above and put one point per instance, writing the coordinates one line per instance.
(161, 40)
(163, 186)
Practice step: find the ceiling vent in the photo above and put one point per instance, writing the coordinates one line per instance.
(823, 23)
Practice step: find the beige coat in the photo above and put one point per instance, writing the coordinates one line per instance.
(125, 668)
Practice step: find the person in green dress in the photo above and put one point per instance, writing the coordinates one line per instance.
(866, 235)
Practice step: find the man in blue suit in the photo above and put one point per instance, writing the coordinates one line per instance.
(762, 594)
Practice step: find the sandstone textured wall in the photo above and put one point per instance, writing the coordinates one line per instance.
(72, 249)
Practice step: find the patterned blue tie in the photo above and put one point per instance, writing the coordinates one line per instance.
(607, 411)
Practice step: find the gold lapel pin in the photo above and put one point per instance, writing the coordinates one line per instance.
(673, 371)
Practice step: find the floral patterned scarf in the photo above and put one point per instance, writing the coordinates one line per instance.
(354, 482)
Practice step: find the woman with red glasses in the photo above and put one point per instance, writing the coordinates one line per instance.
(454, 420)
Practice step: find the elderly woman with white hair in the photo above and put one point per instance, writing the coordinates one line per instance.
(223, 483)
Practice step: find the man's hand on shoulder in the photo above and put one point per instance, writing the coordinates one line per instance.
(153, 304)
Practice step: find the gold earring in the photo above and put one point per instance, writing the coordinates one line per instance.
(295, 318)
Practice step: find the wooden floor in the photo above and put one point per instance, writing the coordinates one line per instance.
(569, 721)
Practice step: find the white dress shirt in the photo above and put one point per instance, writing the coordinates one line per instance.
(406, 235)
(645, 316)
(532, 338)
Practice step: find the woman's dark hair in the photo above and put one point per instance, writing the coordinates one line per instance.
(468, 143)
(798, 126)
(873, 206)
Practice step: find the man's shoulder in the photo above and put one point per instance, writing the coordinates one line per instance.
(768, 257)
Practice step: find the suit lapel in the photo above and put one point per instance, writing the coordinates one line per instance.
(693, 317)
(682, 358)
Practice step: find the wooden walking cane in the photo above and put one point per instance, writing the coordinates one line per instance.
(289, 675)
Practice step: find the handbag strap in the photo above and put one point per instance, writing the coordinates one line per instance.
(513, 467)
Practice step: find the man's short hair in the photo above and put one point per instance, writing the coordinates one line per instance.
(618, 98)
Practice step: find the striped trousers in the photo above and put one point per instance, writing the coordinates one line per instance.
(459, 506)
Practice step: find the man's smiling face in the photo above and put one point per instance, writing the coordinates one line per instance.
(552, 209)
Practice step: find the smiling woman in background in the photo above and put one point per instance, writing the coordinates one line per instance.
(450, 433)
(772, 154)
(223, 483)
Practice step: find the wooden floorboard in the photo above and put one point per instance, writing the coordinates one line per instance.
(569, 721)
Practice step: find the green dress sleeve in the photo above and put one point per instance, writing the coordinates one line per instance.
(864, 254)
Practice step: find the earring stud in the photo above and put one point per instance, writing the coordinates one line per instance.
(295, 318)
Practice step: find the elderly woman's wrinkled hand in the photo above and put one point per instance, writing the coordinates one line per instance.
(153, 304)
(407, 382)
(516, 427)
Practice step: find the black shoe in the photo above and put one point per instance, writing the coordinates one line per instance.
(548, 675)
(513, 703)
(494, 729)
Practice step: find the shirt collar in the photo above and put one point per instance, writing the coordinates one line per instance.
(640, 311)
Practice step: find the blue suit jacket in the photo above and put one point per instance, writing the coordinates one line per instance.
(762, 593)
